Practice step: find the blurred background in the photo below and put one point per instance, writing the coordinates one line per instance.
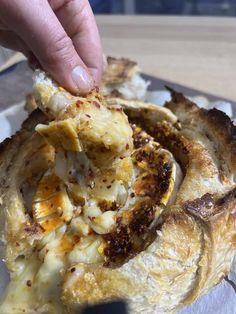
(175, 7)
(158, 7)
(190, 44)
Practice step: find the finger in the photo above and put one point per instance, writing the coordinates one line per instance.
(2, 26)
(33, 62)
(48, 41)
(9, 39)
(78, 20)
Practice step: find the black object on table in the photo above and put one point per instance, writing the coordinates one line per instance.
(117, 307)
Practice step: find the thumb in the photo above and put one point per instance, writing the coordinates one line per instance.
(49, 42)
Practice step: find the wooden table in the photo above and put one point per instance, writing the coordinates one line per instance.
(199, 52)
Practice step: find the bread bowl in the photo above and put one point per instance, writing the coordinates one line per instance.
(169, 238)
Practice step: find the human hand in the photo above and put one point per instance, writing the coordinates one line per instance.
(61, 35)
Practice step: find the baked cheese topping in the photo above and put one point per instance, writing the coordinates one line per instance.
(100, 201)
(110, 185)
(98, 204)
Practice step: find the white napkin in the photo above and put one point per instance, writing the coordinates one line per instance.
(160, 97)
(11, 120)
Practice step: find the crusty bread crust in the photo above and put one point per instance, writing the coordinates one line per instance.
(23, 158)
(122, 79)
(118, 70)
(195, 237)
(197, 233)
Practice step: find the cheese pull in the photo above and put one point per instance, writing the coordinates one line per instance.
(83, 124)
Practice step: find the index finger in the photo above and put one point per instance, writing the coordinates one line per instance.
(77, 19)
(36, 23)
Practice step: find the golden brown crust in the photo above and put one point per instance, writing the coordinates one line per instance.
(210, 207)
(196, 161)
(184, 232)
(22, 160)
(92, 285)
(143, 113)
(119, 70)
(122, 79)
(194, 239)
(213, 124)
(30, 103)
(201, 163)
(151, 278)
(217, 217)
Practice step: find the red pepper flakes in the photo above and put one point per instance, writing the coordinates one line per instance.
(142, 218)
(119, 244)
(105, 205)
(78, 103)
(29, 283)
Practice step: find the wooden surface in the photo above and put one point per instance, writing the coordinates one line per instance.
(199, 52)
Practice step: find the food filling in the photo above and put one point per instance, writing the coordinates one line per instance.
(100, 202)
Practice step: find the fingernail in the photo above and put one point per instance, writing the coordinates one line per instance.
(104, 62)
(82, 80)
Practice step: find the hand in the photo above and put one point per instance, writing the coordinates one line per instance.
(61, 35)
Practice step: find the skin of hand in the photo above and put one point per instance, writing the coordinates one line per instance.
(61, 35)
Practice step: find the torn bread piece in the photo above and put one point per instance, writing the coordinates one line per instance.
(122, 79)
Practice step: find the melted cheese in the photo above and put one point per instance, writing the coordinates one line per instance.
(79, 226)
(95, 162)
(51, 204)
(86, 251)
(61, 134)
(101, 130)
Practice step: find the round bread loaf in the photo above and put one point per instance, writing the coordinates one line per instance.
(96, 206)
